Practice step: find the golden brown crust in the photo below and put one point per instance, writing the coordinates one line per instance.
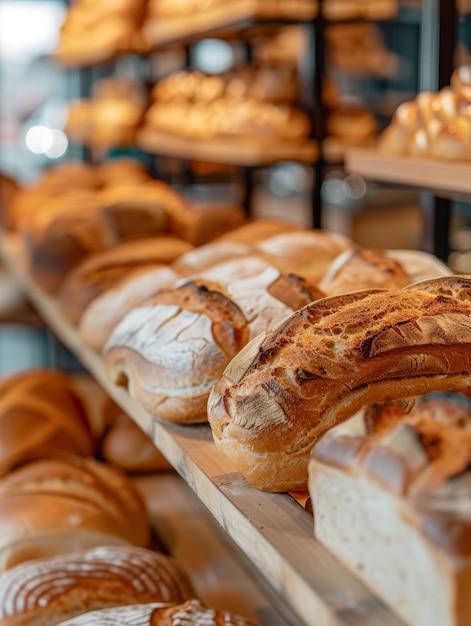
(50, 505)
(41, 415)
(100, 271)
(329, 359)
(106, 576)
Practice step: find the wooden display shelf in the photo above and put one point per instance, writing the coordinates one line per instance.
(441, 177)
(226, 20)
(228, 150)
(272, 530)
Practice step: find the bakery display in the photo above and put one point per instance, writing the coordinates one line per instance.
(159, 614)
(53, 506)
(321, 364)
(391, 495)
(52, 590)
(433, 124)
(41, 415)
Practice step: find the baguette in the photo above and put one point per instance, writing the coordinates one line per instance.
(47, 591)
(395, 480)
(324, 362)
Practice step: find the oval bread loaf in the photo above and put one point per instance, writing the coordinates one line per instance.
(53, 506)
(172, 349)
(325, 361)
(49, 590)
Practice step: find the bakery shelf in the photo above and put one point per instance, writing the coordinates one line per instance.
(273, 530)
(228, 150)
(441, 177)
(227, 20)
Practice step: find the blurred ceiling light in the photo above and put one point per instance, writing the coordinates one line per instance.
(29, 29)
(59, 145)
(39, 139)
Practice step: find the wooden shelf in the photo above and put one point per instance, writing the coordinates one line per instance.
(226, 20)
(441, 177)
(228, 150)
(273, 530)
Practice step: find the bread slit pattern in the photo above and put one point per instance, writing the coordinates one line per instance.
(326, 361)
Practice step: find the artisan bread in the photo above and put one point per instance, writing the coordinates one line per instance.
(102, 270)
(396, 481)
(127, 446)
(191, 613)
(41, 415)
(364, 268)
(52, 506)
(172, 349)
(324, 362)
(106, 310)
(255, 230)
(44, 592)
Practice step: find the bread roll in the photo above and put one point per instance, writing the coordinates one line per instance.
(397, 483)
(41, 415)
(255, 230)
(192, 612)
(172, 349)
(324, 362)
(104, 313)
(102, 270)
(53, 506)
(128, 447)
(49, 590)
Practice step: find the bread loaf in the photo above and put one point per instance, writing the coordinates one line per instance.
(256, 230)
(190, 613)
(106, 310)
(53, 506)
(102, 270)
(128, 447)
(41, 415)
(49, 590)
(396, 482)
(324, 362)
(172, 349)
(363, 268)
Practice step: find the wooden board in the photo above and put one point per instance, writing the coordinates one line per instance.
(231, 151)
(233, 18)
(449, 177)
(273, 531)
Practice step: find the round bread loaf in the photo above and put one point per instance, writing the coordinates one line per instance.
(190, 613)
(53, 506)
(41, 415)
(291, 384)
(46, 591)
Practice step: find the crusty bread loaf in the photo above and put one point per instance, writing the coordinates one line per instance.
(363, 268)
(41, 415)
(173, 348)
(257, 229)
(128, 447)
(397, 483)
(207, 255)
(104, 313)
(191, 613)
(306, 252)
(325, 361)
(53, 506)
(102, 270)
(47, 591)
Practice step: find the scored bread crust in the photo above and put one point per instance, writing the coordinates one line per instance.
(191, 612)
(173, 349)
(50, 590)
(327, 360)
(51, 505)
